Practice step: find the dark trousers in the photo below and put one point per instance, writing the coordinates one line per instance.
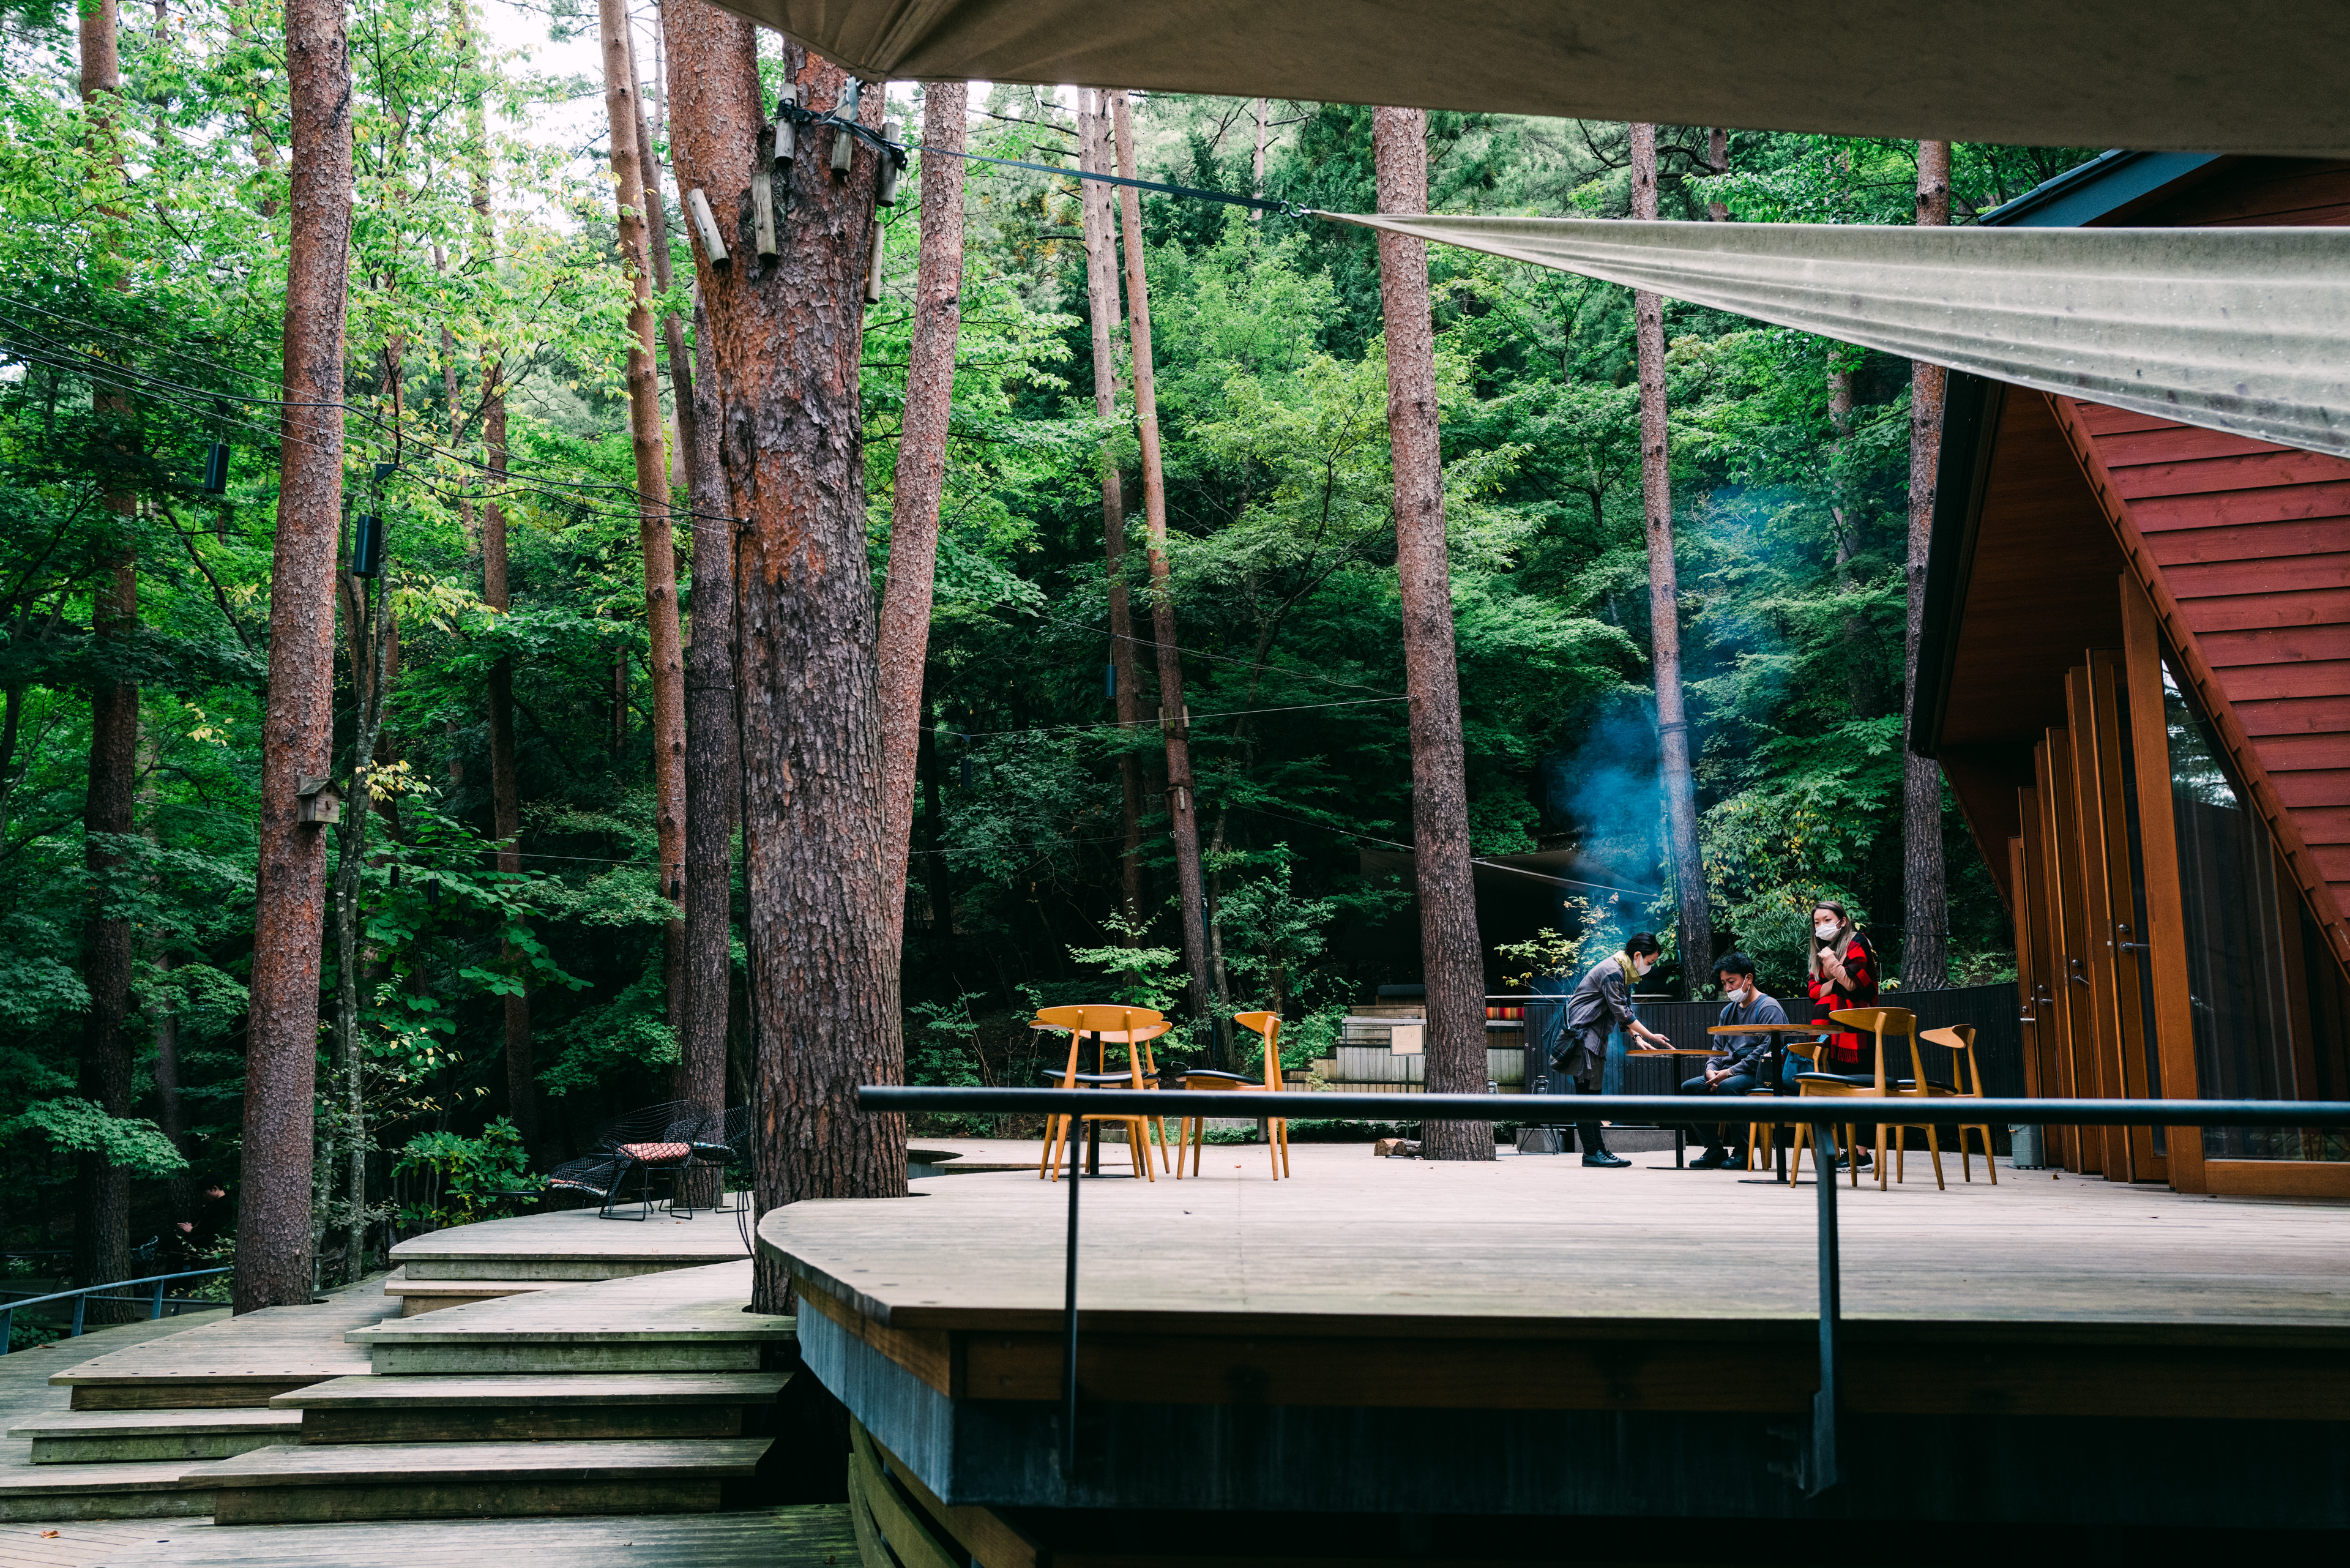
(1737, 1083)
(1580, 1070)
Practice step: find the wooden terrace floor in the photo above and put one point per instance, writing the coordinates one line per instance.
(1531, 1281)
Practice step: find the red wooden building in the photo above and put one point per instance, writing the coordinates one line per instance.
(2136, 674)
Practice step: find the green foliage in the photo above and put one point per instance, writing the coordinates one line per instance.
(77, 1126)
(1143, 976)
(463, 1173)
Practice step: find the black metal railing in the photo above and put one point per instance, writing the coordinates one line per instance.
(82, 1295)
(1816, 1468)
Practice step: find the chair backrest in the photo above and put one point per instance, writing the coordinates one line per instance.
(1133, 1025)
(1881, 1022)
(1268, 1025)
(1958, 1039)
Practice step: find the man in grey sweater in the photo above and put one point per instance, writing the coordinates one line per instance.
(1743, 1062)
(1600, 1002)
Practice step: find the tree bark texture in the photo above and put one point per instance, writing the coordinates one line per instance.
(681, 364)
(101, 1245)
(102, 1190)
(789, 336)
(1182, 799)
(371, 641)
(273, 1249)
(656, 535)
(1926, 945)
(1100, 229)
(1451, 960)
(505, 782)
(1717, 159)
(713, 774)
(1664, 603)
(921, 477)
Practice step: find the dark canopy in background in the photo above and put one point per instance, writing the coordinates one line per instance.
(2262, 77)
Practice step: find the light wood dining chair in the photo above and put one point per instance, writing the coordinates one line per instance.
(1966, 1084)
(1876, 1022)
(1109, 1025)
(1267, 1026)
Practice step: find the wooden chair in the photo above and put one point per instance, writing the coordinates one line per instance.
(1191, 1134)
(1267, 1027)
(1109, 1025)
(1966, 1085)
(1878, 1021)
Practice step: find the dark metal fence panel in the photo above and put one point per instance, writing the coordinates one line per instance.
(1990, 1009)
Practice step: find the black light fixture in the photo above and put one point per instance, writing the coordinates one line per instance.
(367, 545)
(217, 469)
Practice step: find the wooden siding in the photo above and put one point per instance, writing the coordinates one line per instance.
(2251, 542)
(2242, 191)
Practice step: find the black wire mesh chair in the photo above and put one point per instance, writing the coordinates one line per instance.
(594, 1176)
(656, 1140)
(721, 1141)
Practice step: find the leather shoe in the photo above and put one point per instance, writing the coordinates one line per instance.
(1602, 1157)
(1711, 1159)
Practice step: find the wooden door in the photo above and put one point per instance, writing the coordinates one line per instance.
(2116, 943)
(2066, 1023)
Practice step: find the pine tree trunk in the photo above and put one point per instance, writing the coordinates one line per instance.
(1717, 158)
(505, 782)
(681, 364)
(1095, 155)
(272, 1252)
(1256, 164)
(934, 864)
(1925, 947)
(789, 336)
(1182, 799)
(102, 1190)
(1452, 958)
(172, 1116)
(921, 476)
(714, 775)
(1664, 603)
(1857, 688)
(656, 535)
(372, 644)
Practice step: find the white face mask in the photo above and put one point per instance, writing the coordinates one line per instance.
(1824, 930)
(1641, 966)
(1739, 996)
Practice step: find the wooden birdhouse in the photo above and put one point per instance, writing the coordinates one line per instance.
(318, 801)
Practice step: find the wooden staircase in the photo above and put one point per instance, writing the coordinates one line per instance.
(640, 1393)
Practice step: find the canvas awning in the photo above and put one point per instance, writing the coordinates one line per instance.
(2086, 73)
(2242, 329)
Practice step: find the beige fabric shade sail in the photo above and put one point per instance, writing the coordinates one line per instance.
(2242, 329)
(2257, 75)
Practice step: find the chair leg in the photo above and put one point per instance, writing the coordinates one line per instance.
(1934, 1142)
(1900, 1154)
(1802, 1135)
(1138, 1146)
(1281, 1123)
(1051, 1136)
(1991, 1166)
(1880, 1158)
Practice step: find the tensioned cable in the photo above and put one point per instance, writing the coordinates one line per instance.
(1473, 861)
(1218, 658)
(1145, 724)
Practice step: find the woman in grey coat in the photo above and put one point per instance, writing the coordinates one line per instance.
(1601, 1003)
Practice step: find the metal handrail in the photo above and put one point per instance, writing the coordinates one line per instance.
(80, 1297)
(1816, 1463)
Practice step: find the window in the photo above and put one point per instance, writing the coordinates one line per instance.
(2259, 1032)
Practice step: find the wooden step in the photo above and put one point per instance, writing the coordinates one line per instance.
(238, 1363)
(56, 1493)
(314, 1483)
(683, 1320)
(804, 1536)
(427, 1409)
(120, 1437)
(417, 1297)
(572, 1245)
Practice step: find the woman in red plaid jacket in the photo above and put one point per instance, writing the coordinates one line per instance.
(1843, 975)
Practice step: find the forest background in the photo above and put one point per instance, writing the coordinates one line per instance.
(141, 291)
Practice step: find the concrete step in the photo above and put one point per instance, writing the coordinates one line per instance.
(683, 1320)
(314, 1483)
(441, 1409)
(60, 1493)
(120, 1437)
(417, 1297)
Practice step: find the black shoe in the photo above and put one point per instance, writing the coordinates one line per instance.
(1844, 1162)
(1600, 1157)
(1711, 1159)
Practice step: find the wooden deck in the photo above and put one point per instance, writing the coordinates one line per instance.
(1534, 1283)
